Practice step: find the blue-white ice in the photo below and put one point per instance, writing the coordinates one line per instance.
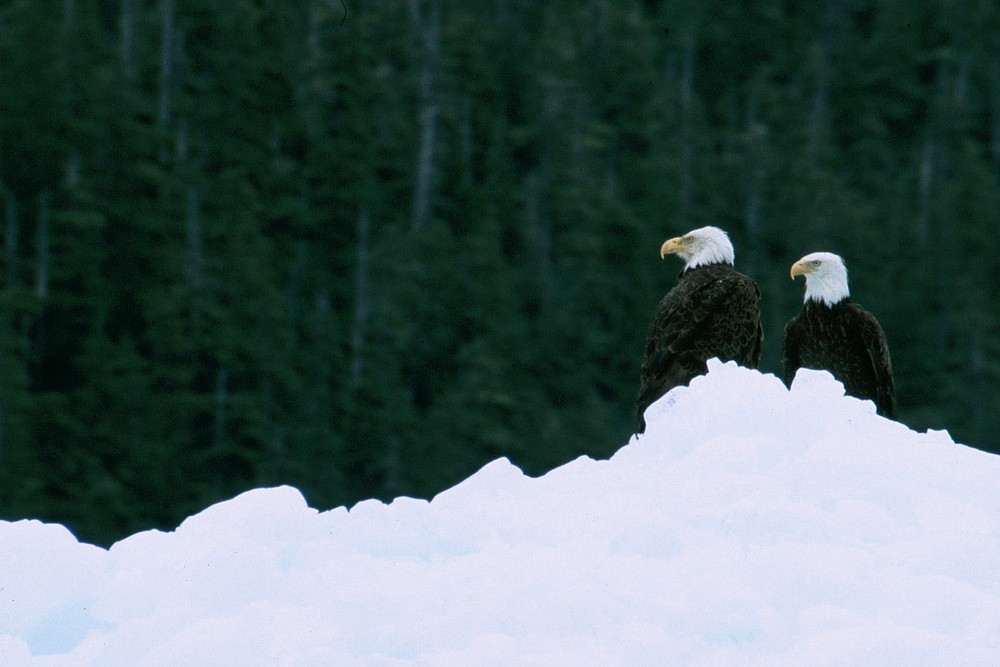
(749, 526)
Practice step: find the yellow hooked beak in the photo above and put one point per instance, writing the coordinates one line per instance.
(670, 246)
(801, 268)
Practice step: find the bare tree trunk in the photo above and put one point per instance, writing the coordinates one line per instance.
(194, 266)
(925, 180)
(425, 165)
(42, 251)
(66, 48)
(11, 240)
(193, 236)
(72, 165)
(466, 141)
(995, 108)
(166, 71)
(181, 139)
(127, 35)
(938, 277)
(755, 178)
(933, 161)
(960, 89)
(423, 182)
(818, 114)
(393, 465)
(311, 94)
(3, 401)
(687, 130)
(221, 399)
(276, 442)
(361, 307)
(12, 256)
(928, 157)
(539, 231)
(69, 12)
(11, 279)
(978, 375)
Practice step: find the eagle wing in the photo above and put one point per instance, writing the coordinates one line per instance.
(791, 358)
(878, 353)
(845, 340)
(708, 314)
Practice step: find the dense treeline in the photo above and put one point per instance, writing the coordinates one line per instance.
(365, 247)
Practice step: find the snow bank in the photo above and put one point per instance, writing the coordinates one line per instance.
(749, 525)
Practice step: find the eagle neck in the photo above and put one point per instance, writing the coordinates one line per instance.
(815, 305)
(688, 270)
(827, 287)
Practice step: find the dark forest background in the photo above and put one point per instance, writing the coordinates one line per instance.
(364, 247)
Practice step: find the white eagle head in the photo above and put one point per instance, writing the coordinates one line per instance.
(708, 245)
(826, 277)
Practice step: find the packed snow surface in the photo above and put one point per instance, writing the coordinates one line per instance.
(750, 525)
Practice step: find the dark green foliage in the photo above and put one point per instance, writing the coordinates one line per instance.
(364, 248)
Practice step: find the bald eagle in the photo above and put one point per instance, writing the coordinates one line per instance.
(712, 311)
(833, 333)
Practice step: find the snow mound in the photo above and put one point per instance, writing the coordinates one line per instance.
(749, 525)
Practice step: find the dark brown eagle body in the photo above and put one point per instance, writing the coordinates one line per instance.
(846, 340)
(713, 311)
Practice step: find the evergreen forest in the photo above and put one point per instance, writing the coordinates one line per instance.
(364, 247)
